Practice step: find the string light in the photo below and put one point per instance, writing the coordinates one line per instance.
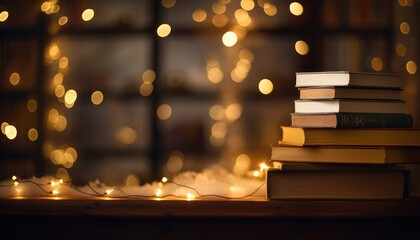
(158, 193)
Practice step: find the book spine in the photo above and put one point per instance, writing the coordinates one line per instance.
(374, 120)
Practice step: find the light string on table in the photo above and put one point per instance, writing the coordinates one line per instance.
(107, 193)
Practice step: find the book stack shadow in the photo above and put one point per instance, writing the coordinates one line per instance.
(350, 138)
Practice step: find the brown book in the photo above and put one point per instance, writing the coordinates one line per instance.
(345, 154)
(346, 92)
(352, 120)
(329, 183)
(353, 137)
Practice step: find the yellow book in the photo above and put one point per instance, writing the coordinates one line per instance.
(295, 136)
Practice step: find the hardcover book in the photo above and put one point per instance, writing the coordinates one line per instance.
(348, 78)
(352, 137)
(349, 105)
(328, 183)
(352, 120)
(345, 154)
(312, 93)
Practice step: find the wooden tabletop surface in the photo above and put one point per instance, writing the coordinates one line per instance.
(250, 207)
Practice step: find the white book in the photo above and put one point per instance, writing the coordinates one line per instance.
(350, 106)
(347, 78)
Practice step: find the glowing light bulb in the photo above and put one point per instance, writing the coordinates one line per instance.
(88, 14)
(55, 192)
(229, 39)
(16, 183)
(263, 166)
(158, 192)
(190, 196)
(14, 178)
(163, 30)
(164, 179)
(61, 181)
(53, 184)
(109, 191)
(256, 173)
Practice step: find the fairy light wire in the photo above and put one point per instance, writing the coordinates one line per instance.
(98, 194)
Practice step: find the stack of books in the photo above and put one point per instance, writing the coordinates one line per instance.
(350, 138)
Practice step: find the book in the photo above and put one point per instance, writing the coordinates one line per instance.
(352, 120)
(357, 137)
(345, 154)
(348, 92)
(348, 78)
(347, 105)
(329, 183)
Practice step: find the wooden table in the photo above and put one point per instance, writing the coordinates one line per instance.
(253, 218)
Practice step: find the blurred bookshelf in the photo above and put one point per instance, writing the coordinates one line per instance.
(107, 90)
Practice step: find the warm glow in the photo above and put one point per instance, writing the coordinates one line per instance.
(158, 192)
(163, 30)
(242, 164)
(72, 152)
(219, 129)
(296, 8)
(61, 123)
(220, 20)
(256, 173)
(55, 192)
(190, 196)
(109, 191)
(270, 9)
(63, 63)
(199, 15)
(148, 76)
(263, 166)
(301, 47)
(59, 91)
(175, 162)
(217, 112)
(97, 97)
(63, 20)
(146, 89)
(126, 135)
(411, 87)
(405, 28)
(233, 111)
(3, 127)
(400, 50)
(54, 51)
(10, 131)
(411, 67)
(4, 15)
(164, 179)
(229, 39)
(16, 183)
(377, 64)
(14, 78)
(218, 8)
(33, 134)
(32, 105)
(265, 86)
(215, 75)
(164, 111)
(406, 3)
(88, 14)
(168, 3)
(132, 180)
(70, 96)
(247, 5)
